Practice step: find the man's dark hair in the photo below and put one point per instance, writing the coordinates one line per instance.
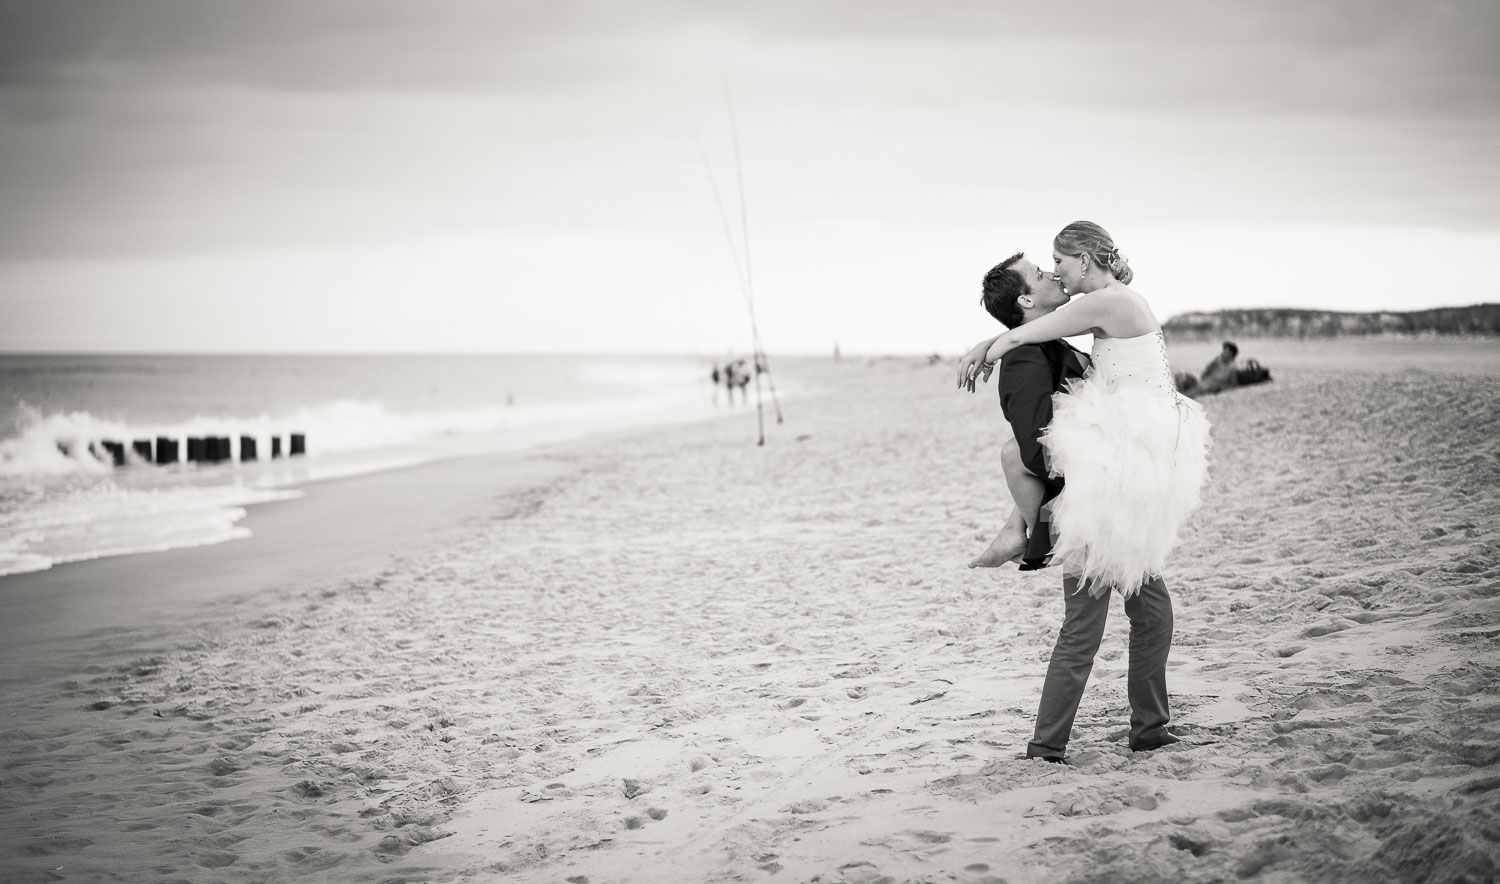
(1233, 350)
(1002, 286)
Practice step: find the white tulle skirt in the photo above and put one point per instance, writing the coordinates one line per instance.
(1133, 462)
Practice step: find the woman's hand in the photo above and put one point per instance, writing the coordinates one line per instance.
(972, 366)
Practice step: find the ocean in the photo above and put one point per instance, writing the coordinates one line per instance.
(63, 499)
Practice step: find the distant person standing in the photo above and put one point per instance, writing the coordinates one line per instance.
(742, 377)
(736, 376)
(728, 377)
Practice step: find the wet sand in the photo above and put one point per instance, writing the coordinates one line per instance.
(335, 526)
(679, 657)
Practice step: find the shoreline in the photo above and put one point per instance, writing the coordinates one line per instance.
(315, 538)
(325, 533)
(71, 507)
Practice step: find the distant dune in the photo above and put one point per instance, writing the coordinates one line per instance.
(1480, 319)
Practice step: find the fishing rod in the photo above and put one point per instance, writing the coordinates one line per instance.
(739, 272)
(761, 359)
(742, 269)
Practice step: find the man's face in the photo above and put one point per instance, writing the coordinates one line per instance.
(1046, 292)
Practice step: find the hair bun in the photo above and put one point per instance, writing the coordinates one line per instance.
(1087, 238)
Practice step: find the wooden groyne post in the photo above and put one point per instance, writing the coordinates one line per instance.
(114, 452)
(200, 449)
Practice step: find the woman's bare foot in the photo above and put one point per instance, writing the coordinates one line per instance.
(1007, 547)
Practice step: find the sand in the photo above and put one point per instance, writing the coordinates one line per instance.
(675, 656)
(312, 540)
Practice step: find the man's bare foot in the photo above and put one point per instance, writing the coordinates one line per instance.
(1008, 547)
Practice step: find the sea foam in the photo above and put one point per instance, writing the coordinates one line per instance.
(62, 500)
(60, 443)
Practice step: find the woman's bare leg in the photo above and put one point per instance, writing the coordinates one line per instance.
(1025, 488)
(1027, 492)
(1007, 546)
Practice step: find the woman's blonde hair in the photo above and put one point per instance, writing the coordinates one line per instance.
(1088, 238)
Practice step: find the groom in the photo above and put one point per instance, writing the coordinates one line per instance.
(1017, 291)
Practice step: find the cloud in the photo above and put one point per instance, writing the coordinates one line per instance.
(1382, 55)
(212, 138)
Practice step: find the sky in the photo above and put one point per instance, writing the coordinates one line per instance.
(600, 176)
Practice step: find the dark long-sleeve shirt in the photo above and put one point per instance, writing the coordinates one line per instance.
(1029, 375)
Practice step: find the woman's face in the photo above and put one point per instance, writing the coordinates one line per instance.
(1069, 269)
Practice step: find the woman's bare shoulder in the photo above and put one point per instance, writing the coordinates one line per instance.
(1126, 312)
(1112, 297)
(1117, 289)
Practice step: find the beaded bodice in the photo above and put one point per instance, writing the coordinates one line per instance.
(1139, 363)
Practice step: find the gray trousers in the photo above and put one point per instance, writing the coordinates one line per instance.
(1150, 613)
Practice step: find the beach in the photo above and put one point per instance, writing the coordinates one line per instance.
(674, 655)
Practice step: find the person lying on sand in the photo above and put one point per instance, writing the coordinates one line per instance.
(1221, 373)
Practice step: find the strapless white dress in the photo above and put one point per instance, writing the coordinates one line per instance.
(1133, 454)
